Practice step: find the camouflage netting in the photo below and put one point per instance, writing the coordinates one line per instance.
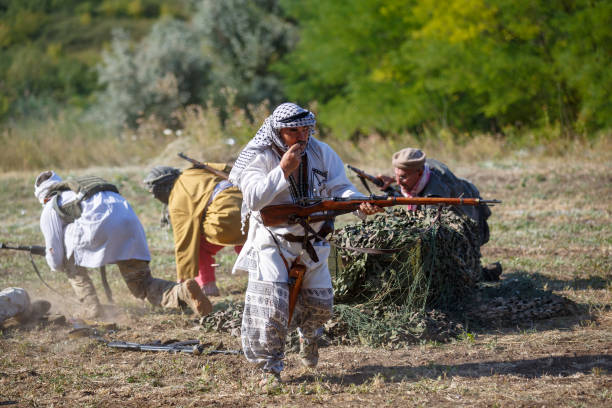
(437, 261)
(515, 300)
(386, 299)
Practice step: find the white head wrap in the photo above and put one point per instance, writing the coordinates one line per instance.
(43, 183)
(285, 115)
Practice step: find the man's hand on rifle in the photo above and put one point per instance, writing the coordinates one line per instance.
(386, 180)
(369, 209)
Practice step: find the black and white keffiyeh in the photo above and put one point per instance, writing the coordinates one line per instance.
(43, 184)
(284, 116)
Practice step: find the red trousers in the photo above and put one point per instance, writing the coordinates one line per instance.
(206, 268)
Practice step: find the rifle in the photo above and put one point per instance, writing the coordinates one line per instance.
(200, 165)
(82, 328)
(328, 208)
(188, 346)
(363, 176)
(40, 251)
(33, 249)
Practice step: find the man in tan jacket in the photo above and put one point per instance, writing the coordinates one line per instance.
(204, 212)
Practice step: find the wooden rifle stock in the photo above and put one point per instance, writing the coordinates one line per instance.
(375, 180)
(283, 214)
(296, 276)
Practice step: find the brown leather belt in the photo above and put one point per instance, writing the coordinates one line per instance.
(326, 228)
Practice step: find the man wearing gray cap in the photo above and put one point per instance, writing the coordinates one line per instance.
(419, 176)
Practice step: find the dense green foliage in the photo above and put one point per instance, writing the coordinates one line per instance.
(162, 73)
(48, 48)
(471, 64)
(243, 38)
(227, 45)
(435, 259)
(383, 66)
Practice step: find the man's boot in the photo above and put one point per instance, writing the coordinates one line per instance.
(190, 293)
(309, 352)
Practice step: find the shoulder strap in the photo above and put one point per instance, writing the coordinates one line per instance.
(85, 187)
(67, 211)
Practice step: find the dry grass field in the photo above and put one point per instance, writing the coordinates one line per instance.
(554, 226)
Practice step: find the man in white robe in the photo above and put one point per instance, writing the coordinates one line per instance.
(284, 164)
(106, 232)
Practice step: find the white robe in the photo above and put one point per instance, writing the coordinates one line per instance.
(107, 231)
(262, 184)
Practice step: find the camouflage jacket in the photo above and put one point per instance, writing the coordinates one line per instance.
(443, 183)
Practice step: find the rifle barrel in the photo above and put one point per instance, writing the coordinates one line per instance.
(204, 166)
(148, 347)
(33, 249)
(181, 347)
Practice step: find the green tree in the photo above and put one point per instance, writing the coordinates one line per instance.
(344, 63)
(243, 38)
(471, 64)
(164, 71)
(229, 44)
(584, 56)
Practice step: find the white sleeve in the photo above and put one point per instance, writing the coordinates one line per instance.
(52, 228)
(259, 186)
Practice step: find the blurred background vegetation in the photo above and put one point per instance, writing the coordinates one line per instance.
(106, 82)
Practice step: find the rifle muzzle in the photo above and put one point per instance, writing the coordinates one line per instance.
(490, 202)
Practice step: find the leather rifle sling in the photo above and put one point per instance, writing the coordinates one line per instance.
(295, 273)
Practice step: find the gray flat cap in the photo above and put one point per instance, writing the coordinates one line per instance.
(409, 159)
